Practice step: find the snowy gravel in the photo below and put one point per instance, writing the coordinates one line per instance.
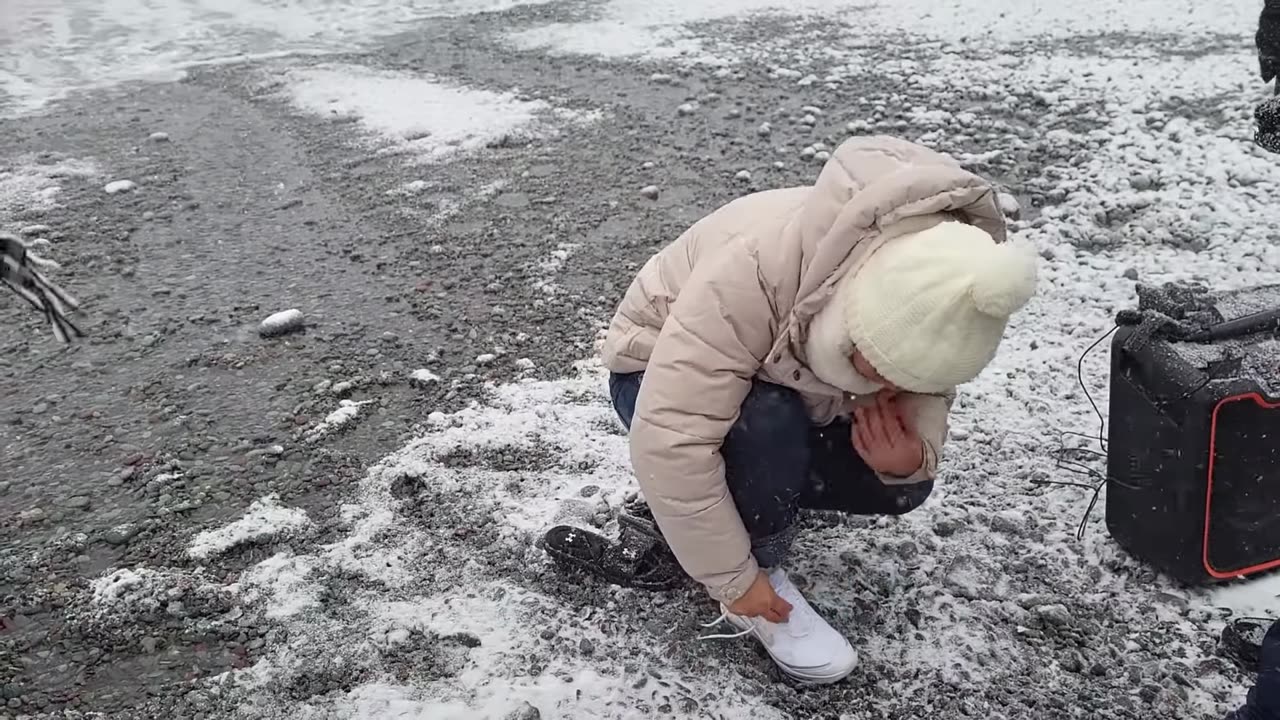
(196, 521)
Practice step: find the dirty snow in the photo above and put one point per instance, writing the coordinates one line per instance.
(265, 520)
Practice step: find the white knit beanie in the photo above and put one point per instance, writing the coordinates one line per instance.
(928, 309)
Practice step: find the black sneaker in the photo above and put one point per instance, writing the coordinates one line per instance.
(1242, 640)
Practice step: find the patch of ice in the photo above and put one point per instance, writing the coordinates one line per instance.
(266, 520)
(418, 115)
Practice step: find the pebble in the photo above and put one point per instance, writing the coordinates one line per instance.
(35, 230)
(743, 176)
(525, 364)
(485, 359)
(946, 527)
(809, 120)
(764, 130)
(649, 191)
(687, 109)
(121, 534)
(1055, 613)
(1140, 181)
(524, 712)
(119, 186)
(585, 646)
(281, 323)
(423, 377)
(159, 137)
(1131, 274)
(822, 156)
(78, 502)
(1009, 205)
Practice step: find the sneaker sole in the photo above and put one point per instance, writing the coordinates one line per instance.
(791, 672)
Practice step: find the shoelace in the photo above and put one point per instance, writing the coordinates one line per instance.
(724, 616)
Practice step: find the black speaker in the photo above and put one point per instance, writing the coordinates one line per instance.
(1193, 455)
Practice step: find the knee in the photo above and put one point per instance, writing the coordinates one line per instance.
(773, 410)
(910, 497)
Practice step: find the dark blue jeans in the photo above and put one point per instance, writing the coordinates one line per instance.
(777, 461)
(1264, 698)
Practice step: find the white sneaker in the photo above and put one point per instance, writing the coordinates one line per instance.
(805, 647)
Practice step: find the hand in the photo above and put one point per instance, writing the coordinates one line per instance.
(887, 443)
(761, 601)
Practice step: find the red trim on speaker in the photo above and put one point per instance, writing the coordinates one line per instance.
(1208, 501)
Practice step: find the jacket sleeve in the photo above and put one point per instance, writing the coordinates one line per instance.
(718, 331)
(929, 413)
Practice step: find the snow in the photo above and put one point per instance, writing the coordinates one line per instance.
(347, 411)
(265, 520)
(28, 185)
(51, 49)
(661, 29)
(418, 115)
(424, 376)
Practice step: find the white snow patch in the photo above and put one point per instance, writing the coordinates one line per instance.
(424, 376)
(30, 186)
(347, 411)
(550, 266)
(418, 115)
(266, 520)
(661, 29)
(281, 584)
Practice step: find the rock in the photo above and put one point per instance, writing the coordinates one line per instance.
(485, 359)
(159, 137)
(119, 186)
(649, 191)
(809, 120)
(687, 109)
(585, 647)
(34, 230)
(1009, 205)
(34, 515)
(589, 490)
(121, 534)
(1131, 274)
(525, 364)
(423, 377)
(77, 502)
(764, 130)
(946, 527)
(524, 712)
(1056, 614)
(1140, 181)
(743, 176)
(281, 323)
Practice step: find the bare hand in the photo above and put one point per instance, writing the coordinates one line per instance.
(762, 601)
(885, 440)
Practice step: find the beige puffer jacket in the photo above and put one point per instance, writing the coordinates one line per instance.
(731, 300)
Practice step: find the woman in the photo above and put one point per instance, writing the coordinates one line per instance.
(800, 348)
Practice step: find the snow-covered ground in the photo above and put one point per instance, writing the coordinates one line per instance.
(1130, 122)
